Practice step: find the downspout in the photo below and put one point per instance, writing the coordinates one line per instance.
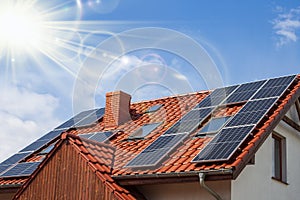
(202, 183)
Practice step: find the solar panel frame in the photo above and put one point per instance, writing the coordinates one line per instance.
(156, 151)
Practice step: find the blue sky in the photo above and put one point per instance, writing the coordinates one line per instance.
(46, 81)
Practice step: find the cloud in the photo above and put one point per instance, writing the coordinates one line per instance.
(24, 117)
(286, 26)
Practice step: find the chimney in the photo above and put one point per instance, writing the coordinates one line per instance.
(117, 109)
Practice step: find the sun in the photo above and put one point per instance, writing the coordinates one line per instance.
(20, 25)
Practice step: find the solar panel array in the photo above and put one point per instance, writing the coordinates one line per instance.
(260, 97)
(163, 145)
(13, 166)
(98, 136)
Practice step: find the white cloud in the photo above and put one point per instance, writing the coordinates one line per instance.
(287, 26)
(24, 116)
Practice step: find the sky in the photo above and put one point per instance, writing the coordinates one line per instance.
(58, 57)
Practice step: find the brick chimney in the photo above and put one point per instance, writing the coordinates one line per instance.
(117, 109)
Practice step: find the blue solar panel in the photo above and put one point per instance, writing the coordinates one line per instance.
(51, 135)
(101, 136)
(214, 125)
(154, 108)
(3, 168)
(183, 127)
(250, 86)
(197, 114)
(144, 131)
(35, 145)
(224, 144)
(84, 118)
(21, 169)
(239, 97)
(216, 97)
(281, 81)
(15, 158)
(258, 105)
(246, 118)
(47, 150)
(156, 151)
(98, 136)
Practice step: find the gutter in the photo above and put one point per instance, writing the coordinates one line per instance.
(174, 174)
(208, 189)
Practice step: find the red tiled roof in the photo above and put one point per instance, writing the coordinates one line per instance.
(179, 161)
(13, 181)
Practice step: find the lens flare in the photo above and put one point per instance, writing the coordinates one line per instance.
(21, 26)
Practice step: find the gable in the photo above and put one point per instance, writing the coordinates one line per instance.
(66, 175)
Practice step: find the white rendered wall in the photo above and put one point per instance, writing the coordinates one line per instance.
(185, 191)
(255, 181)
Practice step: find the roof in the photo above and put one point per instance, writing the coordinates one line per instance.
(98, 156)
(178, 163)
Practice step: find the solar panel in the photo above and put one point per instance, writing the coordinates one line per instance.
(101, 136)
(240, 97)
(35, 145)
(51, 135)
(250, 86)
(190, 121)
(246, 118)
(83, 119)
(183, 127)
(15, 158)
(144, 131)
(98, 136)
(47, 150)
(197, 114)
(154, 108)
(258, 105)
(156, 151)
(214, 125)
(224, 144)
(216, 97)
(21, 169)
(281, 81)
(86, 136)
(3, 168)
(90, 119)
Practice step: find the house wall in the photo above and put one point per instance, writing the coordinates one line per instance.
(255, 181)
(7, 193)
(182, 191)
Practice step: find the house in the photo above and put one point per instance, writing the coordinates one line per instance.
(236, 142)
